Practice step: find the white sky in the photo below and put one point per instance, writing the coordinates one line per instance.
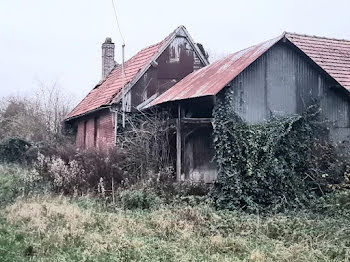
(60, 40)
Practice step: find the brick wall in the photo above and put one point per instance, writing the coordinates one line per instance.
(96, 130)
(105, 131)
(79, 140)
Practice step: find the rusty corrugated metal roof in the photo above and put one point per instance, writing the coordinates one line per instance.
(332, 55)
(214, 77)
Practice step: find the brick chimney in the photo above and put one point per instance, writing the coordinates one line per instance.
(108, 62)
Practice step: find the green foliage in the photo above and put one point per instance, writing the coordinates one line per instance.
(139, 199)
(335, 204)
(264, 166)
(13, 150)
(57, 229)
(10, 184)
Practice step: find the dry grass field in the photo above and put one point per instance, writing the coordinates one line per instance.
(44, 227)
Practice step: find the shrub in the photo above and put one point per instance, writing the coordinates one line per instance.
(10, 183)
(139, 199)
(170, 191)
(13, 150)
(99, 164)
(335, 204)
(330, 165)
(72, 171)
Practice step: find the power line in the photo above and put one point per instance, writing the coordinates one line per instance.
(116, 18)
(123, 66)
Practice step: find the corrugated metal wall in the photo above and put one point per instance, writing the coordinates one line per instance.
(283, 82)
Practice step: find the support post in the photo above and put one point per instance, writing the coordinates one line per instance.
(123, 88)
(115, 126)
(178, 144)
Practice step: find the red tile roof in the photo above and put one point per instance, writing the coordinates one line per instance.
(330, 54)
(103, 94)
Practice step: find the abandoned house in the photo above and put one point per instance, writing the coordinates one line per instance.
(278, 77)
(147, 74)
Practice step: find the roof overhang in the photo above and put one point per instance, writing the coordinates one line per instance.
(86, 113)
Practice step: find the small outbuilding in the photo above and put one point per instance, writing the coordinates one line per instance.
(279, 77)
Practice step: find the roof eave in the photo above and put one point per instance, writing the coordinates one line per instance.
(86, 113)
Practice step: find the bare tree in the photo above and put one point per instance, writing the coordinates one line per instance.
(54, 106)
(34, 118)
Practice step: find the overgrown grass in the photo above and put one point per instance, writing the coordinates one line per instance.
(56, 228)
(10, 183)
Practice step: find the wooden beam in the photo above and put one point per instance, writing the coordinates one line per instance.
(178, 144)
(197, 120)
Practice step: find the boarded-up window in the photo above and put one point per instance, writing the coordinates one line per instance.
(85, 130)
(95, 131)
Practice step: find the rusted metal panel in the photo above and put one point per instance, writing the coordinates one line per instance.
(211, 79)
(175, 62)
(331, 55)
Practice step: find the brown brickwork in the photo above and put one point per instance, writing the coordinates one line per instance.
(96, 131)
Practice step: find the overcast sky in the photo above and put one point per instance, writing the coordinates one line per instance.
(60, 40)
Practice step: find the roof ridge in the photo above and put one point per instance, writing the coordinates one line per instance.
(252, 46)
(315, 36)
(135, 55)
(159, 42)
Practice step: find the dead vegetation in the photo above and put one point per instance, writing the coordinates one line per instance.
(59, 229)
(51, 227)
